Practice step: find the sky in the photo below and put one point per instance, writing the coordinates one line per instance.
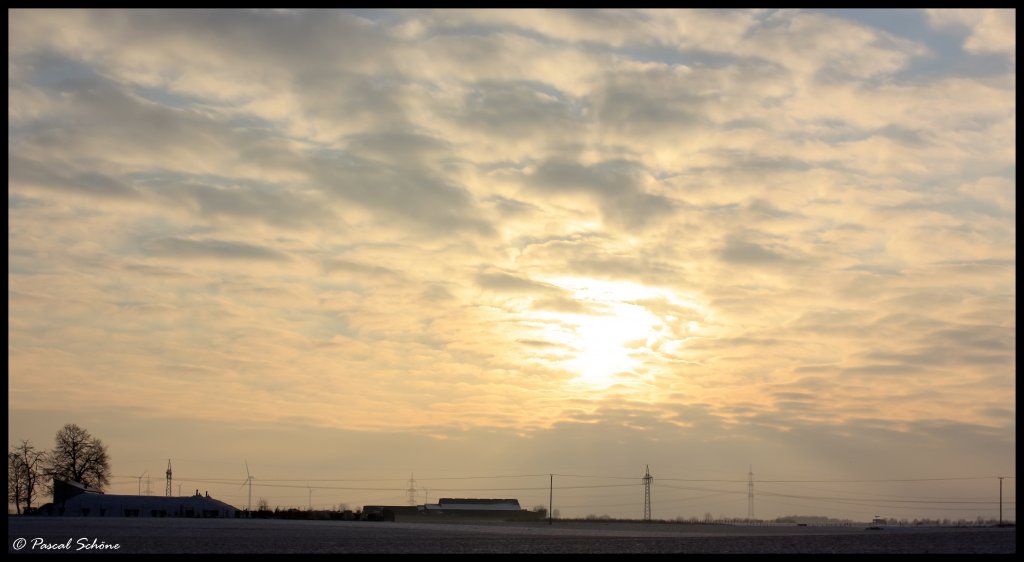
(340, 249)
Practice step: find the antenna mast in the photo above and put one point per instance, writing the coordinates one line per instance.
(168, 477)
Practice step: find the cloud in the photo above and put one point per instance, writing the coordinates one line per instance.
(818, 44)
(507, 282)
(786, 234)
(736, 251)
(616, 184)
(347, 266)
(34, 174)
(211, 249)
(988, 30)
(272, 204)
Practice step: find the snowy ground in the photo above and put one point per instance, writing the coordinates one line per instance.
(61, 534)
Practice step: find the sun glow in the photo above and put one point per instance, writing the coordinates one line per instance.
(609, 344)
(617, 334)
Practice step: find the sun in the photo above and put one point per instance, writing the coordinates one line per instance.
(613, 333)
(610, 343)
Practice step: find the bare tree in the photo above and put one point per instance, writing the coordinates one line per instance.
(25, 470)
(80, 457)
(15, 480)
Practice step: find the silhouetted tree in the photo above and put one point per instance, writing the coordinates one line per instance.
(25, 470)
(80, 457)
(15, 481)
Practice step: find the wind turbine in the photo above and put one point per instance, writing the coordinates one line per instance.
(248, 480)
(140, 482)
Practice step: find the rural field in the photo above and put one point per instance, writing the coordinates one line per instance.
(33, 535)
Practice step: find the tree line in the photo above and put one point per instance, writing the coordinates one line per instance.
(76, 456)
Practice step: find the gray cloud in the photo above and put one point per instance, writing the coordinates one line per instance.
(616, 184)
(510, 207)
(413, 194)
(518, 110)
(507, 282)
(31, 173)
(348, 266)
(272, 204)
(211, 248)
(741, 252)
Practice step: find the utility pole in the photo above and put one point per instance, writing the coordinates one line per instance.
(1000, 501)
(551, 496)
(140, 482)
(647, 494)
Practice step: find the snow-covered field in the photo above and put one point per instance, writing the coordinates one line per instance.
(41, 534)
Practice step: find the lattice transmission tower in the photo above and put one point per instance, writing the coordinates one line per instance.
(412, 490)
(168, 492)
(750, 493)
(647, 494)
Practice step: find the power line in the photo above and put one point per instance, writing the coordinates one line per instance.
(837, 481)
(593, 476)
(482, 477)
(421, 479)
(874, 505)
(230, 480)
(396, 489)
(876, 500)
(883, 495)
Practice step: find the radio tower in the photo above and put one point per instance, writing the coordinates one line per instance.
(647, 494)
(412, 490)
(750, 493)
(168, 477)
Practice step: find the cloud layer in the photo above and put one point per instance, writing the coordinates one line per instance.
(443, 221)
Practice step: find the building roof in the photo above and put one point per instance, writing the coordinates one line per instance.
(476, 503)
(116, 505)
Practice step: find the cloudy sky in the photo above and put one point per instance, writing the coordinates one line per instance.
(349, 246)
